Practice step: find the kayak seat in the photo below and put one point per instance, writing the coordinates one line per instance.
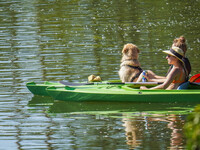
(183, 86)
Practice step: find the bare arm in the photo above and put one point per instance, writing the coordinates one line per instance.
(170, 77)
(152, 77)
(161, 80)
(160, 77)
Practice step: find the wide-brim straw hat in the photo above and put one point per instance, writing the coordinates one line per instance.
(176, 52)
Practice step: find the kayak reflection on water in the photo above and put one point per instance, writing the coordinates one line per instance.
(142, 122)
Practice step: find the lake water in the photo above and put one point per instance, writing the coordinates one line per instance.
(53, 40)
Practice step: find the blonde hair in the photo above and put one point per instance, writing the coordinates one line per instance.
(181, 43)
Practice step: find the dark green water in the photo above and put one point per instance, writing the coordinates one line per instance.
(53, 40)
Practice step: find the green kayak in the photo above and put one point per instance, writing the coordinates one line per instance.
(40, 88)
(113, 92)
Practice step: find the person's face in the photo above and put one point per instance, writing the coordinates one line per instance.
(171, 59)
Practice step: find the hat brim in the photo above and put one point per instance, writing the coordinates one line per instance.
(170, 53)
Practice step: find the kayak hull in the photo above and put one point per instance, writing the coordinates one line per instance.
(122, 93)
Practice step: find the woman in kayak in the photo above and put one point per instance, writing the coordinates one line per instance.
(177, 74)
(178, 42)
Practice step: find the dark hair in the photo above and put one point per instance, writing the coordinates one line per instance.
(187, 65)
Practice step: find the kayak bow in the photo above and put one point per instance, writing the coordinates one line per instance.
(40, 89)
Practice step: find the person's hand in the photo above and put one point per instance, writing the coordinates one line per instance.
(143, 87)
(147, 77)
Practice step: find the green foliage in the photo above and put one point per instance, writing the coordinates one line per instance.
(192, 129)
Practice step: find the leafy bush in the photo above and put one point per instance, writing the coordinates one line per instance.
(192, 129)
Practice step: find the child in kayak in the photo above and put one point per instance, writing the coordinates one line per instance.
(177, 73)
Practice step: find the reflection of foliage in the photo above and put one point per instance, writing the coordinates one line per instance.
(192, 129)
